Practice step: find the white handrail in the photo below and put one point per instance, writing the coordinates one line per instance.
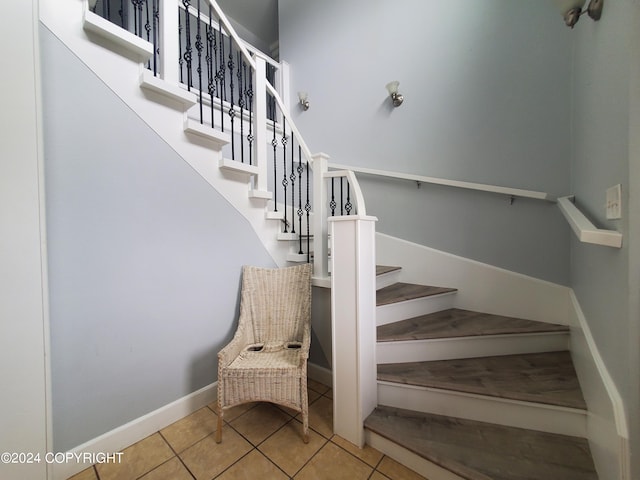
(292, 125)
(586, 231)
(512, 192)
(232, 33)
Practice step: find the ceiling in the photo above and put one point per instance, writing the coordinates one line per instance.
(257, 16)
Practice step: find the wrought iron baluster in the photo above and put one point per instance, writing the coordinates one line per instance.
(348, 206)
(332, 203)
(147, 26)
(123, 15)
(341, 196)
(241, 104)
(307, 208)
(222, 75)
(210, 53)
(250, 97)
(300, 211)
(180, 59)
(188, 49)
(199, 47)
(292, 177)
(284, 172)
(232, 110)
(274, 144)
(156, 36)
(140, 3)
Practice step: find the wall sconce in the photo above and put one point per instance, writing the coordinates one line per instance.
(304, 100)
(396, 98)
(572, 9)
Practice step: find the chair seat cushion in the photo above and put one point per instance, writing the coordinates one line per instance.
(282, 359)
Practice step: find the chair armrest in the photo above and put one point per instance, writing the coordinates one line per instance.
(306, 344)
(230, 351)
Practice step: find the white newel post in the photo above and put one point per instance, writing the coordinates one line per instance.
(169, 50)
(353, 324)
(260, 122)
(320, 229)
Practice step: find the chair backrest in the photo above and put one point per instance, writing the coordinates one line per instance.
(279, 300)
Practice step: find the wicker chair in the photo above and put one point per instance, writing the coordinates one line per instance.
(267, 358)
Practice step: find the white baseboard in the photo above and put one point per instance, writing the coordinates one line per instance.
(607, 427)
(119, 438)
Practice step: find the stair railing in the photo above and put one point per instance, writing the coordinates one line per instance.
(196, 47)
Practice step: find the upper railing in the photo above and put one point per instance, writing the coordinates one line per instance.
(240, 91)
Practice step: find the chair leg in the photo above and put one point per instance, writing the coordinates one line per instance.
(219, 430)
(305, 427)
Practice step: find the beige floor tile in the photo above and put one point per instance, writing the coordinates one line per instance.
(367, 454)
(206, 459)
(397, 471)
(317, 386)
(259, 422)
(171, 470)
(251, 467)
(191, 429)
(88, 474)
(378, 476)
(312, 396)
(321, 416)
(287, 450)
(137, 459)
(334, 463)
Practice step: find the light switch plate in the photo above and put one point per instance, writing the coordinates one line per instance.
(614, 202)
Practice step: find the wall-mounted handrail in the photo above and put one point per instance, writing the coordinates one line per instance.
(586, 231)
(512, 192)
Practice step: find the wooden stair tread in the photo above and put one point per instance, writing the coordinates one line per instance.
(484, 451)
(546, 378)
(382, 269)
(455, 322)
(400, 292)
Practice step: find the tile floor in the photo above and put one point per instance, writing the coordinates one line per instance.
(258, 441)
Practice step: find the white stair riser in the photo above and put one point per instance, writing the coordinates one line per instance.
(415, 462)
(387, 279)
(513, 413)
(413, 308)
(470, 347)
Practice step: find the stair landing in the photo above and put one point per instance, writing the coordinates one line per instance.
(483, 451)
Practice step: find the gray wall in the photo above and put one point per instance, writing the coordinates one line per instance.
(606, 118)
(486, 100)
(144, 259)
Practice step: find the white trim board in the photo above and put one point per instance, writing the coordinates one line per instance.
(607, 425)
(481, 287)
(125, 435)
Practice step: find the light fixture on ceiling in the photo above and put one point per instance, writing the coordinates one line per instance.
(572, 9)
(396, 98)
(304, 100)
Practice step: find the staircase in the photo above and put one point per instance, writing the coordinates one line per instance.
(470, 395)
(461, 395)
